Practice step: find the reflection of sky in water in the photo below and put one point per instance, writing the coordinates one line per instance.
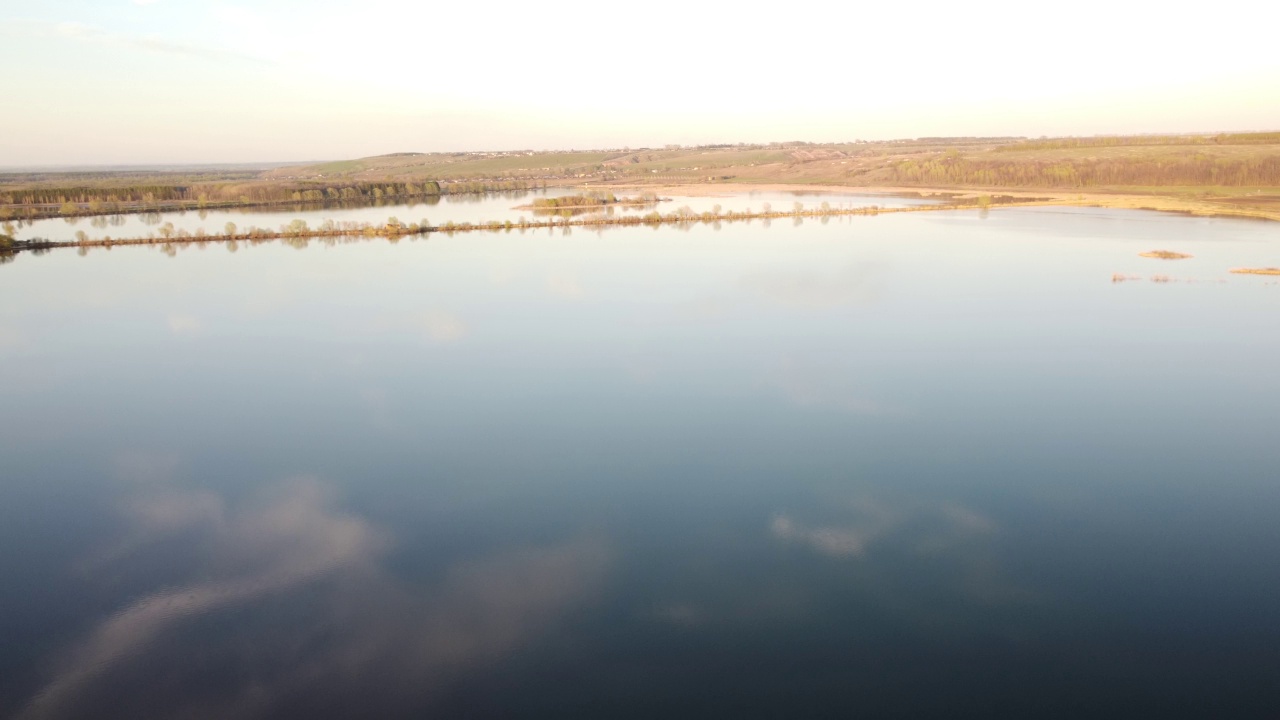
(294, 560)
(927, 464)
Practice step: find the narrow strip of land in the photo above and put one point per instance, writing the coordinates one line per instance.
(395, 230)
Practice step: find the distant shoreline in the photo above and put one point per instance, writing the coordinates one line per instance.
(1205, 175)
(1092, 198)
(1213, 174)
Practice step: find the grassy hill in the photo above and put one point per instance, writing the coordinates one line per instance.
(1239, 160)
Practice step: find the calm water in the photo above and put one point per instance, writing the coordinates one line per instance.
(436, 211)
(918, 465)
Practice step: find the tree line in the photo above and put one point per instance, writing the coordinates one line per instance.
(50, 201)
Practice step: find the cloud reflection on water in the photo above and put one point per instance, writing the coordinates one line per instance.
(811, 384)
(12, 339)
(935, 526)
(854, 284)
(434, 325)
(565, 287)
(442, 327)
(183, 324)
(364, 630)
(950, 542)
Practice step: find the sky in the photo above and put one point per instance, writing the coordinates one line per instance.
(207, 81)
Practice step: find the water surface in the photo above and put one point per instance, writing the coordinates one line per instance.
(916, 465)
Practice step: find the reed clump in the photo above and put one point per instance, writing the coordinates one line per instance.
(1256, 271)
(1165, 255)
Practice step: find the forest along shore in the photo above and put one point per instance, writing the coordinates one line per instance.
(42, 203)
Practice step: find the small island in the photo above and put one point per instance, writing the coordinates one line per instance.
(1164, 255)
(590, 201)
(1256, 271)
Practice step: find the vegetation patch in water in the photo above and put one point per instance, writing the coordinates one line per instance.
(591, 200)
(1164, 255)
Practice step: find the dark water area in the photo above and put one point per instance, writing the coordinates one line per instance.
(915, 465)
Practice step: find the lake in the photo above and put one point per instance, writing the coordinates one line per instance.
(914, 465)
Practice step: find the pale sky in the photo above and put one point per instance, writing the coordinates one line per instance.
(174, 81)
